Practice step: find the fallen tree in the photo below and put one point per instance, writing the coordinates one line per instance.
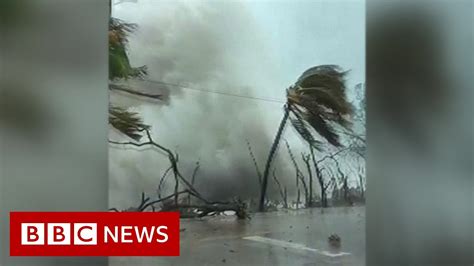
(187, 210)
(201, 210)
(172, 202)
(173, 158)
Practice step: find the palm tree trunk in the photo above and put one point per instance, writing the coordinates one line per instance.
(319, 175)
(310, 175)
(276, 141)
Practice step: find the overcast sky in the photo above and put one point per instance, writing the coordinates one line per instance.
(305, 33)
(250, 48)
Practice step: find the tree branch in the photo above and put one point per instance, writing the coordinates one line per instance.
(162, 180)
(331, 156)
(172, 158)
(299, 174)
(255, 163)
(193, 179)
(282, 193)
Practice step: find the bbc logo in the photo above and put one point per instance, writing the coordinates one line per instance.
(58, 234)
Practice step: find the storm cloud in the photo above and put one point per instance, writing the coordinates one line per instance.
(193, 48)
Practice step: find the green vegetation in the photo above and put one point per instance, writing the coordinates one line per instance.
(126, 122)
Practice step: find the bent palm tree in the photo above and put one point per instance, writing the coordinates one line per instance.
(317, 101)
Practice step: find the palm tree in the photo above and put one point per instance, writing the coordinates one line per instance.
(317, 101)
(126, 122)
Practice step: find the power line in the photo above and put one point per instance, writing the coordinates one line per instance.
(216, 92)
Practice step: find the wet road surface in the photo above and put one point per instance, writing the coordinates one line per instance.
(294, 237)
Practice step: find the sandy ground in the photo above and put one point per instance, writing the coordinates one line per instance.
(296, 237)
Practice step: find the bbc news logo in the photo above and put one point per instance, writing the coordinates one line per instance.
(86, 234)
(94, 234)
(59, 234)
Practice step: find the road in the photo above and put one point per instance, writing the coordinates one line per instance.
(294, 237)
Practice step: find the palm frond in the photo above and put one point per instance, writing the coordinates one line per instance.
(324, 128)
(328, 98)
(330, 76)
(119, 31)
(305, 133)
(318, 99)
(303, 130)
(313, 120)
(119, 63)
(128, 123)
